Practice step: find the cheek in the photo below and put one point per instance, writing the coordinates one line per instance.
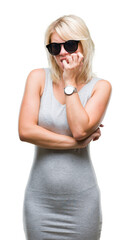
(80, 49)
(56, 59)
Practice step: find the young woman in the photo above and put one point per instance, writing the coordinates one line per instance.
(61, 112)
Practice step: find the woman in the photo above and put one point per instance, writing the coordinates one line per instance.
(61, 112)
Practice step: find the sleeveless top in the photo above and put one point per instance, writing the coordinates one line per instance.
(59, 171)
(52, 114)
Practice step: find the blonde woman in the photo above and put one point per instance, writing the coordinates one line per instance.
(61, 113)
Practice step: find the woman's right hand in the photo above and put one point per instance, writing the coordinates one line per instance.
(94, 136)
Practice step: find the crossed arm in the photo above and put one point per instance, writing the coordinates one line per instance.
(84, 121)
(28, 128)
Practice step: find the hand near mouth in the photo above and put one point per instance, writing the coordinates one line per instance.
(72, 66)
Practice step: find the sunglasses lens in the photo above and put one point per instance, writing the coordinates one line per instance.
(71, 46)
(54, 48)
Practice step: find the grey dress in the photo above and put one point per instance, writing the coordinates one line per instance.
(62, 196)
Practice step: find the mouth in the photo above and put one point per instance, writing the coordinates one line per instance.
(62, 59)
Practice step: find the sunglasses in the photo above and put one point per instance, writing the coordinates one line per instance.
(70, 46)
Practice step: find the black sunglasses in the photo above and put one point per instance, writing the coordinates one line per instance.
(70, 46)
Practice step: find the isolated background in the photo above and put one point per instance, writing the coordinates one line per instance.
(22, 28)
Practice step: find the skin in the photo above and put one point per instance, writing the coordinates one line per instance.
(28, 128)
(70, 65)
(82, 121)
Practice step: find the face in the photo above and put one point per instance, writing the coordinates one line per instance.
(63, 53)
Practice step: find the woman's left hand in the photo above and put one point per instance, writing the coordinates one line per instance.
(72, 66)
(98, 131)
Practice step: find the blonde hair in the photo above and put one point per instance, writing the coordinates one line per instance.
(71, 27)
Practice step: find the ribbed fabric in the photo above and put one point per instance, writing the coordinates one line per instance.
(62, 196)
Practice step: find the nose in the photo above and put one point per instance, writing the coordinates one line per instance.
(63, 51)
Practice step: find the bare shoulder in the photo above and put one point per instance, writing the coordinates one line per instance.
(102, 86)
(36, 78)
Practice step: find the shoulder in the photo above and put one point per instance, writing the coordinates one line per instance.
(36, 77)
(102, 86)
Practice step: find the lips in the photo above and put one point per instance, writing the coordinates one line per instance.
(62, 59)
(65, 58)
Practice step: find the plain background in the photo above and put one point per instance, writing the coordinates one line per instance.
(22, 28)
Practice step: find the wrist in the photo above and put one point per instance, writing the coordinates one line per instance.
(70, 83)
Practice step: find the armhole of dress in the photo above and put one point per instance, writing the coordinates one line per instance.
(94, 81)
(46, 82)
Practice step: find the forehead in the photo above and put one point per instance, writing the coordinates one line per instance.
(56, 38)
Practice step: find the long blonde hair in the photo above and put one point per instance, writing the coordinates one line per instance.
(71, 27)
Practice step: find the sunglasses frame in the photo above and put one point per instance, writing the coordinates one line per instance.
(65, 46)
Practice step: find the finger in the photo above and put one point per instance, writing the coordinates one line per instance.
(88, 140)
(65, 64)
(95, 138)
(80, 57)
(98, 130)
(69, 59)
(74, 57)
(97, 134)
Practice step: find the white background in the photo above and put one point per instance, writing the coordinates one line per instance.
(22, 28)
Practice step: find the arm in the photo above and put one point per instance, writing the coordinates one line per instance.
(44, 138)
(29, 131)
(84, 121)
(47, 139)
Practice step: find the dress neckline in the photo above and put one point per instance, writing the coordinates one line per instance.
(56, 98)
